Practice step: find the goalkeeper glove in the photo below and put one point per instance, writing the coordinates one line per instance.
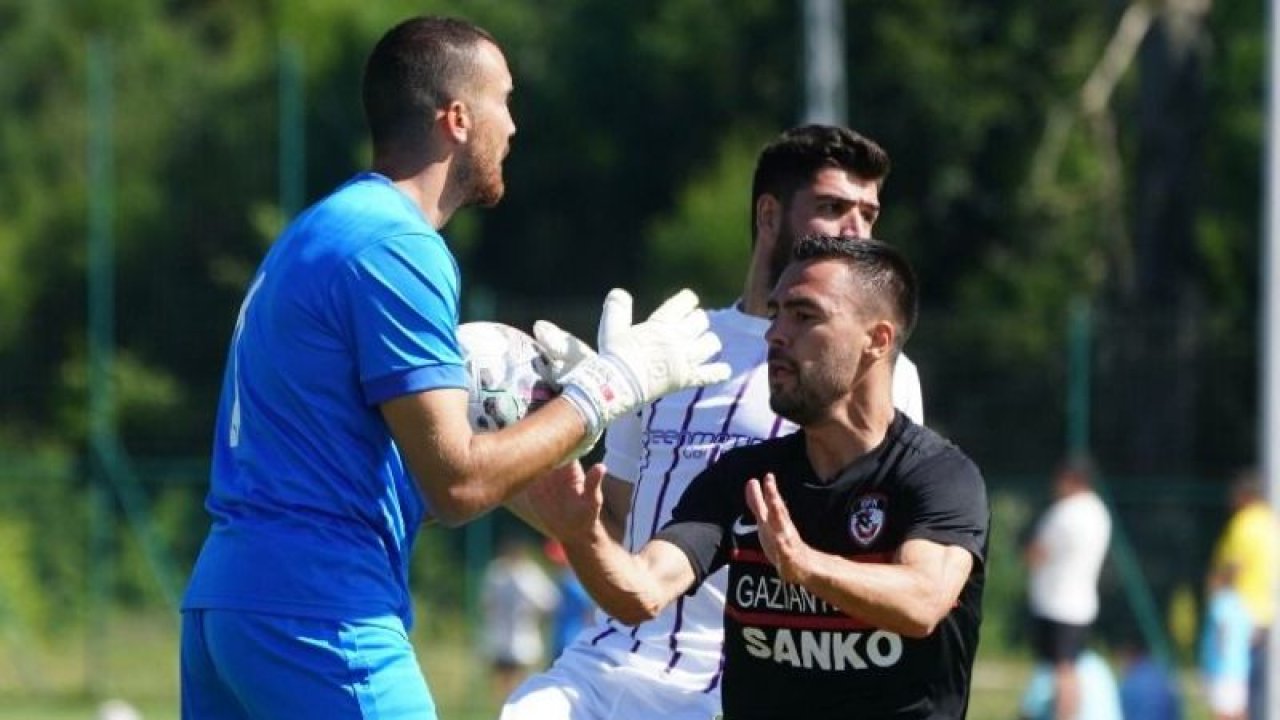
(636, 364)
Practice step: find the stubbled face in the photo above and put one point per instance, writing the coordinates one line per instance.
(480, 168)
(815, 338)
(836, 204)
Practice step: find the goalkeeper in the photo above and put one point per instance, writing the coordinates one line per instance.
(343, 417)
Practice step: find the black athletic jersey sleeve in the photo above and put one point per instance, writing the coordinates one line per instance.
(946, 503)
(715, 500)
(698, 523)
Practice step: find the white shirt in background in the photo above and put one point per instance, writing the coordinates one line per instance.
(1072, 537)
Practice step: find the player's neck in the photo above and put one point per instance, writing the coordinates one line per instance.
(424, 183)
(755, 291)
(851, 431)
(427, 195)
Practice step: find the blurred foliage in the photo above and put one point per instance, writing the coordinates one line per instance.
(41, 570)
(638, 126)
(705, 242)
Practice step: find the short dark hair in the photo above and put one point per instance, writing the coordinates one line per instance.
(415, 69)
(795, 157)
(880, 268)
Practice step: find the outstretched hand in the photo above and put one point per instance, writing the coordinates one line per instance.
(636, 363)
(669, 351)
(778, 535)
(567, 500)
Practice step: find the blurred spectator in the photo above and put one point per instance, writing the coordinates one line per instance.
(1099, 698)
(1148, 691)
(1224, 646)
(1065, 557)
(517, 595)
(574, 610)
(1249, 546)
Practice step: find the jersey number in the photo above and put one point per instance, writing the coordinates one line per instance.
(234, 431)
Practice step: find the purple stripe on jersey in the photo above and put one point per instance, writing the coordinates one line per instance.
(678, 624)
(728, 418)
(715, 679)
(773, 432)
(662, 496)
(607, 632)
(644, 464)
(777, 425)
(672, 642)
(675, 459)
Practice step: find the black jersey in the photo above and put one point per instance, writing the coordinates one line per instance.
(788, 653)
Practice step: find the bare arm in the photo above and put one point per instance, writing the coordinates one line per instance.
(519, 505)
(910, 596)
(617, 505)
(632, 588)
(464, 474)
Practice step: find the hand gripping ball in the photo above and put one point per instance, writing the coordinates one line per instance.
(508, 371)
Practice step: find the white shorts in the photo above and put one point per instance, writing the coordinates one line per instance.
(1227, 696)
(599, 683)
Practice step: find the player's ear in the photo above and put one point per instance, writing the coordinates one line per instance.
(883, 334)
(455, 120)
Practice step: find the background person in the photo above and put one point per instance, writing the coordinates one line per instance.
(1224, 647)
(1148, 689)
(517, 596)
(1099, 696)
(1065, 557)
(1250, 545)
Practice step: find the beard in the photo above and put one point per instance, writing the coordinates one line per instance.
(811, 391)
(479, 174)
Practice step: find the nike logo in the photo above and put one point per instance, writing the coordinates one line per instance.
(741, 528)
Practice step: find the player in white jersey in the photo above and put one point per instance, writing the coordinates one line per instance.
(814, 179)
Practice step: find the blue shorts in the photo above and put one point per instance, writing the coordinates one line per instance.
(252, 665)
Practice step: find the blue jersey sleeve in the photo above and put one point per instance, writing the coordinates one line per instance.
(402, 299)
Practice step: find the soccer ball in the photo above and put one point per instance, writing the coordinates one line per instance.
(508, 373)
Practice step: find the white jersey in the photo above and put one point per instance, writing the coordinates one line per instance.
(661, 448)
(1073, 536)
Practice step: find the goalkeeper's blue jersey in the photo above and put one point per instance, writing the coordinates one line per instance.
(314, 513)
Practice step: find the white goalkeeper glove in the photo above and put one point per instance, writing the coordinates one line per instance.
(636, 364)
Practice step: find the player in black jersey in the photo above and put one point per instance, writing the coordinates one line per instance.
(856, 546)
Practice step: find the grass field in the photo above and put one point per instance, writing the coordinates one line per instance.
(135, 659)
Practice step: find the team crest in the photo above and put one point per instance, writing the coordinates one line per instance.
(867, 519)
